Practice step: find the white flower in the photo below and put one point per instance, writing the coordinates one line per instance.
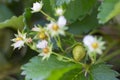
(46, 52)
(42, 44)
(19, 40)
(56, 28)
(37, 7)
(93, 44)
(59, 11)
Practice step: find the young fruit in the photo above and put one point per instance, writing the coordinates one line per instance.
(78, 52)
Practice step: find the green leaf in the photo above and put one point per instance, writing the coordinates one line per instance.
(47, 7)
(76, 74)
(37, 69)
(27, 19)
(78, 9)
(90, 22)
(103, 72)
(59, 2)
(71, 75)
(108, 9)
(14, 22)
(57, 74)
(5, 13)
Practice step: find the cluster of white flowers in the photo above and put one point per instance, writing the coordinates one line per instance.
(43, 34)
(52, 30)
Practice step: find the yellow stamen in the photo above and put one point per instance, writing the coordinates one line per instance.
(18, 39)
(55, 27)
(46, 50)
(42, 35)
(95, 45)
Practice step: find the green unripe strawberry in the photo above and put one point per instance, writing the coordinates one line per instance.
(78, 52)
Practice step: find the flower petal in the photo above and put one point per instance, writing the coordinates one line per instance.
(18, 44)
(42, 44)
(62, 21)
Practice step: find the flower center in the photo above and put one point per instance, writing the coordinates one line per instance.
(42, 35)
(55, 27)
(46, 50)
(95, 45)
(19, 38)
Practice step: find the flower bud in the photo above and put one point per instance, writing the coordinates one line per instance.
(59, 11)
(37, 7)
(78, 52)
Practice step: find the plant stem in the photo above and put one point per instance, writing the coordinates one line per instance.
(95, 31)
(47, 16)
(74, 78)
(106, 51)
(60, 44)
(70, 47)
(67, 58)
(33, 48)
(110, 56)
(77, 36)
(58, 41)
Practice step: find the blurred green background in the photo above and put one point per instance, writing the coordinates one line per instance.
(11, 60)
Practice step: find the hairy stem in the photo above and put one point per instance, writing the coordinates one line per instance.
(67, 58)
